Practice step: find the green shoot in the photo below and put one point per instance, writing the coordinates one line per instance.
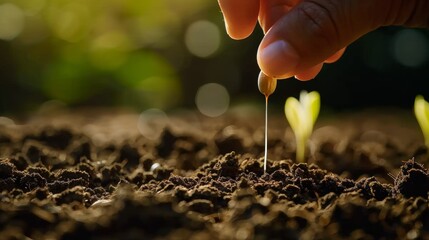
(421, 110)
(302, 116)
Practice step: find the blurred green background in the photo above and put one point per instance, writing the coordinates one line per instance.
(159, 53)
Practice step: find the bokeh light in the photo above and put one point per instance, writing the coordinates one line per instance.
(212, 99)
(5, 121)
(71, 21)
(410, 48)
(11, 21)
(32, 7)
(152, 122)
(202, 38)
(37, 32)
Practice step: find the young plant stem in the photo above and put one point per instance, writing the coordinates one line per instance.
(266, 133)
(300, 149)
(266, 85)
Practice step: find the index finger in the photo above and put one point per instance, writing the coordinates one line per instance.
(240, 16)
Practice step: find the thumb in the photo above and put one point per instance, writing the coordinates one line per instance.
(314, 30)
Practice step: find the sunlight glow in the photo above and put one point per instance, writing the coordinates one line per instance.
(152, 122)
(70, 22)
(11, 21)
(202, 38)
(212, 99)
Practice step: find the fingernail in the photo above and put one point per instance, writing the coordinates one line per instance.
(278, 59)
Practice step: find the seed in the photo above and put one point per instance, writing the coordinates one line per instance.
(267, 85)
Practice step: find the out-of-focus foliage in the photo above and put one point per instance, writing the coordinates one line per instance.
(100, 51)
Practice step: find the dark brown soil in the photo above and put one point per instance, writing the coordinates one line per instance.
(75, 176)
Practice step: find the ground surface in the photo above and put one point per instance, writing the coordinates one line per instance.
(93, 175)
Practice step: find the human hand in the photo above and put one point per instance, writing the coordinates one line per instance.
(302, 35)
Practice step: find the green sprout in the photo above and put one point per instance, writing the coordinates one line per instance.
(302, 116)
(421, 110)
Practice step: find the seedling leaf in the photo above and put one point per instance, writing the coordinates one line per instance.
(302, 116)
(292, 111)
(421, 110)
(314, 105)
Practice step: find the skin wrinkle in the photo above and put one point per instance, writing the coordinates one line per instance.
(328, 12)
(410, 13)
(398, 14)
(419, 9)
(426, 6)
(320, 29)
(427, 20)
(425, 10)
(265, 12)
(377, 22)
(410, 18)
(397, 19)
(405, 12)
(391, 14)
(367, 8)
(348, 7)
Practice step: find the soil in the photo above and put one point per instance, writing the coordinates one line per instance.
(92, 175)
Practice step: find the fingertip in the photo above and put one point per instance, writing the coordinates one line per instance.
(238, 33)
(310, 73)
(335, 56)
(240, 17)
(277, 59)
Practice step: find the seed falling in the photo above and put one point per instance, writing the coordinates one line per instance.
(267, 85)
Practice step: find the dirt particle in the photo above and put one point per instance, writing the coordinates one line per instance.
(279, 175)
(162, 173)
(291, 190)
(19, 162)
(330, 183)
(32, 181)
(75, 194)
(412, 181)
(415, 183)
(203, 206)
(53, 137)
(252, 165)
(6, 169)
(81, 149)
(166, 144)
(228, 140)
(378, 190)
(40, 170)
(33, 151)
(131, 155)
(7, 184)
(69, 174)
(41, 193)
(228, 166)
